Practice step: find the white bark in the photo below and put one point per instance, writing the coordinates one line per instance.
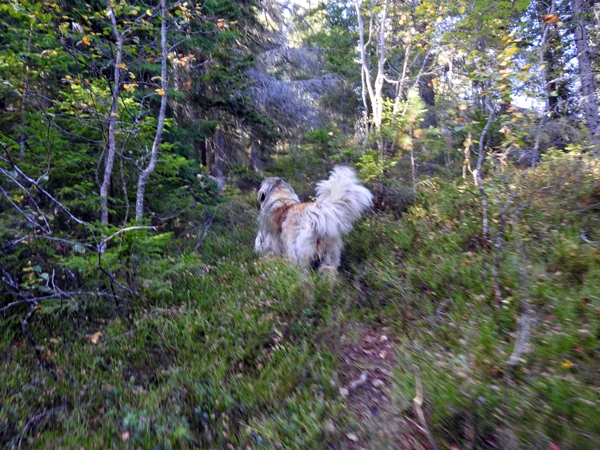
(111, 147)
(377, 99)
(145, 173)
(478, 175)
(374, 89)
(365, 73)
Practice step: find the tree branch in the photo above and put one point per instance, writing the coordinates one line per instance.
(33, 182)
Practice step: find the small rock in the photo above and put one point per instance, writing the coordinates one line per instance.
(344, 392)
(353, 437)
(377, 382)
(329, 426)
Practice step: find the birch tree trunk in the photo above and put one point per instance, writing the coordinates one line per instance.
(111, 147)
(365, 72)
(374, 90)
(145, 173)
(586, 75)
(377, 100)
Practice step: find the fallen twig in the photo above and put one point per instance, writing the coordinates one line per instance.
(35, 419)
(418, 400)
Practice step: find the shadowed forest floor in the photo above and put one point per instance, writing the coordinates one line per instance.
(225, 349)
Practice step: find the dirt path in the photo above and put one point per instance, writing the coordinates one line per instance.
(381, 414)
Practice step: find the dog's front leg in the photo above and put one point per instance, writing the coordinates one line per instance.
(259, 242)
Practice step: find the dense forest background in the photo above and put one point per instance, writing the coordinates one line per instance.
(133, 309)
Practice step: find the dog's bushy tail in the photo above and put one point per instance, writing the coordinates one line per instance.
(341, 201)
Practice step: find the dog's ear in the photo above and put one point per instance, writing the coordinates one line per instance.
(267, 186)
(265, 189)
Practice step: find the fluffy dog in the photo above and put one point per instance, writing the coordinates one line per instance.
(310, 233)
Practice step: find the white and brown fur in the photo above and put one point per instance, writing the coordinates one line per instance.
(310, 233)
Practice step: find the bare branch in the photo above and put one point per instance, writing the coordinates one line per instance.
(204, 233)
(34, 223)
(52, 238)
(124, 230)
(33, 182)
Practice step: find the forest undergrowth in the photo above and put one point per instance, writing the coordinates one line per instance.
(432, 335)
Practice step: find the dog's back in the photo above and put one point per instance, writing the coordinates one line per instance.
(310, 233)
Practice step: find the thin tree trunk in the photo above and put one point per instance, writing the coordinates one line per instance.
(374, 89)
(552, 63)
(23, 137)
(377, 100)
(588, 91)
(401, 80)
(479, 177)
(427, 95)
(365, 73)
(112, 120)
(145, 174)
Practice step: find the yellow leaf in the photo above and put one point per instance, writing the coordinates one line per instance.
(567, 364)
(160, 91)
(86, 40)
(148, 12)
(461, 10)
(95, 337)
(526, 66)
(121, 65)
(549, 18)
(462, 107)
(510, 51)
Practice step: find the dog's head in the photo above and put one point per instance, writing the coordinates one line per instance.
(274, 188)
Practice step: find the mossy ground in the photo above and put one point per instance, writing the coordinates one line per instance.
(226, 349)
